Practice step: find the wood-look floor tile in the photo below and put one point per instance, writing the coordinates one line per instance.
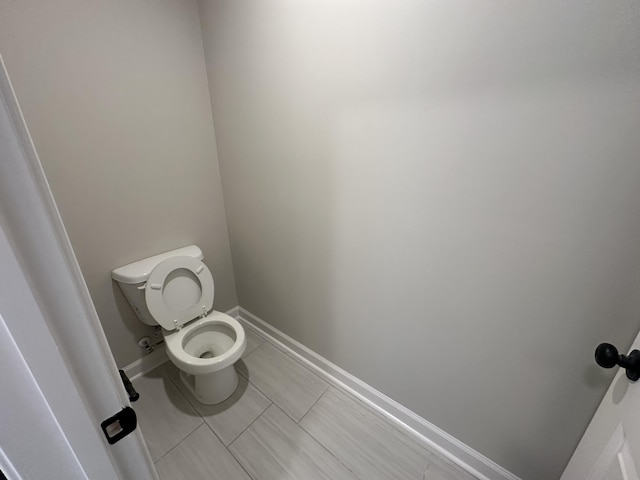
(365, 442)
(200, 456)
(229, 418)
(164, 414)
(286, 382)
(274, 447)
(253, 341)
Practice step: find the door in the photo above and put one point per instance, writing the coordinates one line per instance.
(59, 378)
(610, 447)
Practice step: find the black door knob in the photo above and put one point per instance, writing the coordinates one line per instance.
(607, 356)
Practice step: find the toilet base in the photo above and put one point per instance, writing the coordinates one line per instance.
(212, 388)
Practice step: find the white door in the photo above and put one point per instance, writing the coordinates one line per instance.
(59, 380)
(610, 447)
(45, 431)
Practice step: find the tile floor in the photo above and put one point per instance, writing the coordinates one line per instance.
(283, 423)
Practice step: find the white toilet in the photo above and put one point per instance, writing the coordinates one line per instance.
(175, 290)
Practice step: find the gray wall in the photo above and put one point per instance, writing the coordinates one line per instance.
(441, 197)
(115, 95)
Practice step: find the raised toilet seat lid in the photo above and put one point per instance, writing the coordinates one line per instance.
(179, 288)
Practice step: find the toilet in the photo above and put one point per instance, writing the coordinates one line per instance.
(175, 290)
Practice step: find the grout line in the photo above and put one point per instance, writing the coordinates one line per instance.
(205, 423)
(354, 474)
(242, 373)
(239, 462)
(262, 340)
(299, 364)
(174, 447)
(254, 350)
(255, 386)
(214, 433)
(283, 349)
(273, 401)
(314, 403)
(204, 420)
(386, 421)
(238, 436)
(184, 395)
(359, 406)
(253, 421)
(243, 360)
(166, 376)
(429, 462)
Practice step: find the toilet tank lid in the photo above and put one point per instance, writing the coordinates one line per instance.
(138, 272)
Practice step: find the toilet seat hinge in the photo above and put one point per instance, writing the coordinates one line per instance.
(177, 325)
(204, 311)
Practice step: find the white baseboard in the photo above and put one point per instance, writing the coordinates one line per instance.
(435, 438)
(146, 363)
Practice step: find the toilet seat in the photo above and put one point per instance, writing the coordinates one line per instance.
(174, 279)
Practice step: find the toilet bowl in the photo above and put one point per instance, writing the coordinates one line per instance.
(175, 290)
(204, 351)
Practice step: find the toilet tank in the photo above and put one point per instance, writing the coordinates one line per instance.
(132, 279)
